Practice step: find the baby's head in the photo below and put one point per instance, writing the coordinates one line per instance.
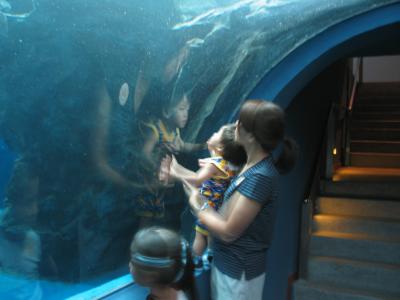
(177, 114)
(223, 143)
(160, 257)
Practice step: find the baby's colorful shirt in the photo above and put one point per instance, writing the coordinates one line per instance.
(213, 189)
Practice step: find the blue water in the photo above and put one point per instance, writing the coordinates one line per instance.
(6, 163)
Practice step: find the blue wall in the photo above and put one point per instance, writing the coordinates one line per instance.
(306, 118)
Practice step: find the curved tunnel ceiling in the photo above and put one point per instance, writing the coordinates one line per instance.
(216, 52)
(376, 32)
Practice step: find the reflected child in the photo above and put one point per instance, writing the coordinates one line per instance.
(161, 136)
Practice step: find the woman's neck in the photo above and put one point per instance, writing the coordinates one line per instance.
(163, 293)
(255, 153)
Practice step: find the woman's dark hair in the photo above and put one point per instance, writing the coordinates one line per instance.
(232, 151)
(266, 121)
(157, 242)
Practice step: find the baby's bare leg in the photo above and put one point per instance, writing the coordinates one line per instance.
(199, 244)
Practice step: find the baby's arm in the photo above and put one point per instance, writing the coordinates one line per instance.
(196, 179)
(190, 147)
(180, 146)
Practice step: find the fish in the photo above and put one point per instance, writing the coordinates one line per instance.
(6, 9)
(6, 13)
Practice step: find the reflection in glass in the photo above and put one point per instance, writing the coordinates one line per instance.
(19, 241)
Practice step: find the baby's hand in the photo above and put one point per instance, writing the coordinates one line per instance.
(174, 167)
(202, 162)
(164, 172)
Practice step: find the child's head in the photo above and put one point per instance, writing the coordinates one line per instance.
(223, 143)
(177, 114)
(160, 257)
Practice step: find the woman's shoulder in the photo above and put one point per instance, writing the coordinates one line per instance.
(265, 168)
(181, 296)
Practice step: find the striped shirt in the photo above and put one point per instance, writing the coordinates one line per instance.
(248, 253)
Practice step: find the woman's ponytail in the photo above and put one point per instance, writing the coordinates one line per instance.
(288, 156)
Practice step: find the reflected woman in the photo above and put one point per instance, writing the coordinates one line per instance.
(242, 229)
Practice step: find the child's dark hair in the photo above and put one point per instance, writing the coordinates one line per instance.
(266, 121)
(154, 245)
(231, 150)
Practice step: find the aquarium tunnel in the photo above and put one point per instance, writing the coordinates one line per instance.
(93, 95)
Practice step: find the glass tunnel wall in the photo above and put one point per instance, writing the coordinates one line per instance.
(94, 93)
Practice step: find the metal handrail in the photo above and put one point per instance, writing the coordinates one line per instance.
(349, 108)
(308, 205)
(355, 84)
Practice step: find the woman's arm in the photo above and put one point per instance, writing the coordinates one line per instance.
(100, 138)
(179, 146)
(148, 147)
(230, 227)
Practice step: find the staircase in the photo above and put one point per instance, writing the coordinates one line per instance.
(354, 249)
(375, 127)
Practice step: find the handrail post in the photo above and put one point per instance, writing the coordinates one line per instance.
(349, 108)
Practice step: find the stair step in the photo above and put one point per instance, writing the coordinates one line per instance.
(360, 174)
(375, 146)
(377, 100)
(385, 228)
(307, 290)
(361, 189)
(375, 124)
(390, 115)
(355, 274)
(372, 89)
(358, 207)
(382, 160)
(388, 134)
(376, 107)
(355, 246)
